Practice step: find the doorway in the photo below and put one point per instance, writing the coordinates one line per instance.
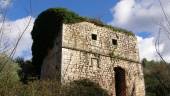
(120, 81)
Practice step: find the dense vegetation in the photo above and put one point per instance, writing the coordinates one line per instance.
(157, 78)
(27, 70)
(48, 25)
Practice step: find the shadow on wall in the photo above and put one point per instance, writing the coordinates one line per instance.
(84, 87)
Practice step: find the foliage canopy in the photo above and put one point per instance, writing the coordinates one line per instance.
(156, 74)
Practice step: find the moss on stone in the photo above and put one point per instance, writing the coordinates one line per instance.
(69, 17)
(115, 29)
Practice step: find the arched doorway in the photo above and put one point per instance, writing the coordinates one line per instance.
(120, 81)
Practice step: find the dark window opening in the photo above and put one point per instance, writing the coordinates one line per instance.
(94, 37)
(114, 41)
(120, 83)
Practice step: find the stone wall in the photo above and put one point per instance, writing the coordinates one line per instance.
(78, 56)
(83, 57)
(79, 36)
(81, 65)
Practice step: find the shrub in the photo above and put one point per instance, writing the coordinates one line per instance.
(8, 75)
(8, 71)
(83, 87)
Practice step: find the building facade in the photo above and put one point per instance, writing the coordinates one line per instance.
(84, 50)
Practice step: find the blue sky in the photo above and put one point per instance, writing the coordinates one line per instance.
(140, 16)
(90, 8)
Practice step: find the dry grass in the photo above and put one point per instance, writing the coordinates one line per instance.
(53, 88)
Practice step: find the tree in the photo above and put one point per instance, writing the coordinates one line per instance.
(157, 79)
(27, 71)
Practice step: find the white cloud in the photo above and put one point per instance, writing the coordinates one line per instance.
(12, 30)
(144, 16)
(125, 8)
(143, 13)
(4, 3)
(148, 52)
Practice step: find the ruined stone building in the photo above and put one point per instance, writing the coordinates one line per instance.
(85, 49)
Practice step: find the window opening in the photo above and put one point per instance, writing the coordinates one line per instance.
(94, 37)
(114, 41)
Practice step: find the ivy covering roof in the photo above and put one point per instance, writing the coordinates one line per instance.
(70, 17)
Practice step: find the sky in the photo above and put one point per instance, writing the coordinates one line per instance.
(143, 17)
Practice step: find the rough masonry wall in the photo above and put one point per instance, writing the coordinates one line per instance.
(51, 67)
(78, 36)
(83, 57)
(81, 65)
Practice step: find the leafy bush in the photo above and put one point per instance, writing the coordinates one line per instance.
(8, 71)
(8, 75)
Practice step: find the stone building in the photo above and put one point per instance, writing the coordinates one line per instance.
(109, 57)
